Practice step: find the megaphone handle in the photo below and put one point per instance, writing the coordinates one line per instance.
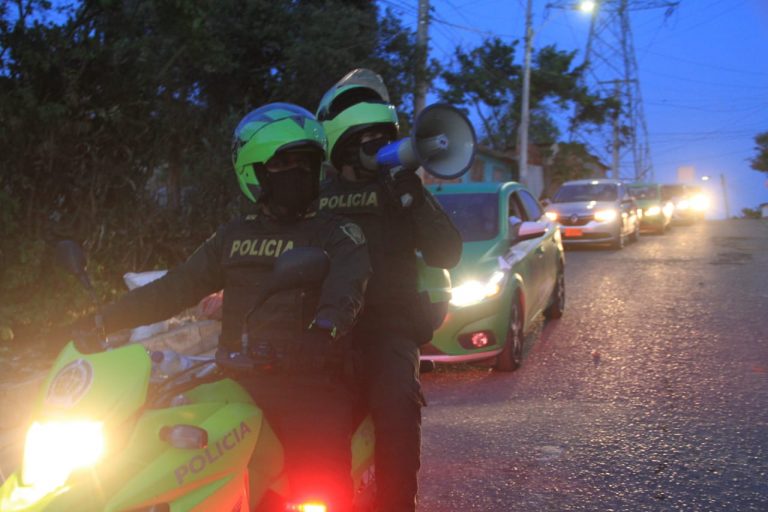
(406, 200)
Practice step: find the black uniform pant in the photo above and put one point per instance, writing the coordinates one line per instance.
(390, 378)
(313, 417)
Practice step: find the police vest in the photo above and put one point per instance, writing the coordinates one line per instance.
(249, 252)
(388, 232)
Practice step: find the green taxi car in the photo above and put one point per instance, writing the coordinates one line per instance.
(657, 211)
(511, 270)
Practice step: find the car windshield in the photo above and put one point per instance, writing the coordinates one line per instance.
(672, 191)
(644, 192)
(586, 192)
(476, 216)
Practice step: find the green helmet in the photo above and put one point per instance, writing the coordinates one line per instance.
(357, 102)
(268, 130)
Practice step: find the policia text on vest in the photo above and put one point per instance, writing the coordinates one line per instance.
(347, 200)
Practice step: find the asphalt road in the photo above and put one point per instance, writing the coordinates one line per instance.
(650, 394)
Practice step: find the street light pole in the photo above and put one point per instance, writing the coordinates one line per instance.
(725, 197)
(525, 114)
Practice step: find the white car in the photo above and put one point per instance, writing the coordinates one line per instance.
(595, 211)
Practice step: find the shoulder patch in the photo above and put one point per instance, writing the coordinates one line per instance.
(354, 232)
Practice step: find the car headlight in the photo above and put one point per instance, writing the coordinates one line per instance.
(699, 202)
(472, 292)
(54, 449)
(551, 216)
(653, 211)
(683, 205)
(605, 215)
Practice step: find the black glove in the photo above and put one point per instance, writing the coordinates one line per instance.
(407, 189)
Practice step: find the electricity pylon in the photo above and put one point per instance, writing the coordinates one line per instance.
(610, 58)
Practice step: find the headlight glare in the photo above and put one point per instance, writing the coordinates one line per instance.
(653, 211)
(699, 202)
(473, 291)
(54, 449)
(551, 216)
(605, 215)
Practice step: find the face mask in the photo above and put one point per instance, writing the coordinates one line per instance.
(291, 192)
(362, 158)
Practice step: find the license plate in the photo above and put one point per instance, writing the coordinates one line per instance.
(572, 232)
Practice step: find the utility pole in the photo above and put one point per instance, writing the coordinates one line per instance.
(422, 51)
(725, 197)
(593, 20)
(616, 160)
(525, 114)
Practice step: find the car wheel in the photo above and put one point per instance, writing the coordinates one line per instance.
(512, 354)
(557, 301)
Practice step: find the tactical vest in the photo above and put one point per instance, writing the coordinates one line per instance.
(388, 233)
(250, 249)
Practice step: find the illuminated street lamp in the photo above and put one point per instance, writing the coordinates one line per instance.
(585, 6)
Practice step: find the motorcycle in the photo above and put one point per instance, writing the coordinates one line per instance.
(106, 436)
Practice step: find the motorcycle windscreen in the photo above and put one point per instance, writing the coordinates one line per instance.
(108, 386)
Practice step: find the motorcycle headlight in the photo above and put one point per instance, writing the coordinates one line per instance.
(472, 292)
(653, 211)
(605, 215)
(54, 449)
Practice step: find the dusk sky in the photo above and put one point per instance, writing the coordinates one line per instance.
(703, 76)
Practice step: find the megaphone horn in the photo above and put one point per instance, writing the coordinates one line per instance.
(442, 142)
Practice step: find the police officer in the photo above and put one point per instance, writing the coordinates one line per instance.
(398, 217)
(278, 150)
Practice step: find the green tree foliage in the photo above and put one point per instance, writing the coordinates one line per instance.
(487, 80)
(571, 161)
(117, 117)
(760, 162)
(751, 213)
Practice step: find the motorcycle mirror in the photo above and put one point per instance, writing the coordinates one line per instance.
(296, 268)
(299, 267)
(70, 256)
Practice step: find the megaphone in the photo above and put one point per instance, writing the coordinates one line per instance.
(442, 142)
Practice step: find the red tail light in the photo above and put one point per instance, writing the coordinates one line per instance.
(312, 506)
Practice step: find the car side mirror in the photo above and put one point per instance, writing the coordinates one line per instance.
(545, 202)
(530, 230)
